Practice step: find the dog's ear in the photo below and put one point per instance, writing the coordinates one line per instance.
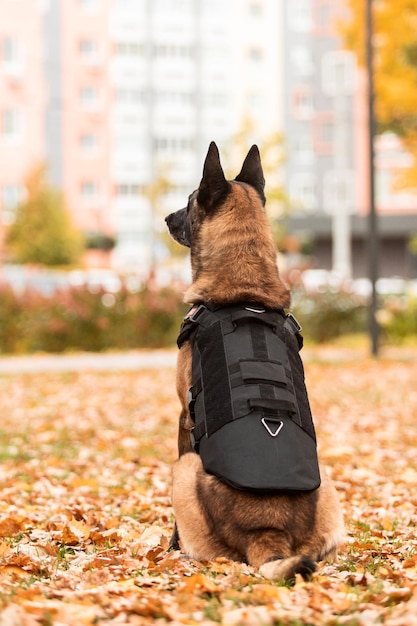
(252, 173)
(214, 186)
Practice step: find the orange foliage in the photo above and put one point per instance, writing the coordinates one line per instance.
(395, 64)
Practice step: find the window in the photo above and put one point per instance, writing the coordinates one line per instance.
(338, 73)
(255, 54)
(338, 190)
(89, 97)
(129, 48)
(11, 124)
(11, 197)
(303, 104)
(300, 15)
(89, 143)
(88, 5)
(89, 191)
(303, 151)
(89, 50)
(173, 143)
(10, 50)
(129, 190)
(303, 191)
(255, 8)
(11, 55)
(173, 51)
(302, 60)
(131, 97)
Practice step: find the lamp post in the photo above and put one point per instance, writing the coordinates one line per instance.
(372, 216)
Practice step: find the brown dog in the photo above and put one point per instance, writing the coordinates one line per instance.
(233, 259)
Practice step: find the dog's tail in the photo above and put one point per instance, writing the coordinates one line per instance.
(285, 570)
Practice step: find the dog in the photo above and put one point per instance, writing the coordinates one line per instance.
(233, 260)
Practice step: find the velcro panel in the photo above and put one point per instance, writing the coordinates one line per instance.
(215, 376)
(267, 371)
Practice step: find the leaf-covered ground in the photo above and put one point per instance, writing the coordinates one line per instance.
(85, 516)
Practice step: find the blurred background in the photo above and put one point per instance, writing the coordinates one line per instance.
(107, 108)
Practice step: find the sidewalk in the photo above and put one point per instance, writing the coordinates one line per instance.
(83, 361)
(136, 360)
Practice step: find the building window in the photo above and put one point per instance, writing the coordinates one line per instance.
(89, 191)
(173, 51)
(338, 190)
(303, 104)
(129, 49)
(11, 55)
(302, 60)
(89, 97)
(89, 143)
(303, 152)
(300, 16)
(10, 50)
(255, 54)
(255, 8)
(303, 191)
(11, 197)
(173, 144)
(89, 50)
(131, 97)
(338, 73)
(129, 190)
(88, 5)
(11, 125)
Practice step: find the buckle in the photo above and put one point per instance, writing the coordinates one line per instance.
(191, 404)
(293, 322)
(194, 312)
(254, 310)
(194, 442)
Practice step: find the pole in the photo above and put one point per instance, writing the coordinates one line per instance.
(372, 218)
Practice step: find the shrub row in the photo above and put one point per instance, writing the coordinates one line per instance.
(329, 314)
(77, 319)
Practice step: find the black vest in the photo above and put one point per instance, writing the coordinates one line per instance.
(248, 400)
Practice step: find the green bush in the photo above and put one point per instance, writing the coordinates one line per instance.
(398, 320)
(77, 319)
(328, 314)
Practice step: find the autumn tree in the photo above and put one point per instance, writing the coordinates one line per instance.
(42, 232)
(395, 67)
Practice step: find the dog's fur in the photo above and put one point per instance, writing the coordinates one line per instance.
(233, 259)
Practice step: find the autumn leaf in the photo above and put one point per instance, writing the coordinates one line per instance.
(85, 508)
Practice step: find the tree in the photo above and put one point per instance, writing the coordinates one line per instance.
(42, 232)
(395, 65)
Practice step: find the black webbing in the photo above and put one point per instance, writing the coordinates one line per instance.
(215, 377)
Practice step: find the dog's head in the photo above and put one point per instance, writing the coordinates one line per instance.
(233, 254)
(212, 193)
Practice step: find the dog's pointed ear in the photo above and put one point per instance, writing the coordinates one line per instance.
(214, 186)
(252, 173)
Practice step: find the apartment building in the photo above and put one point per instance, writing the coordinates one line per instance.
(22, 100)
(79, 97)
(184, 72)
(130, 93)
(327, 169)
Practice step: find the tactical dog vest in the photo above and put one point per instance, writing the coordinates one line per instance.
(248, 400)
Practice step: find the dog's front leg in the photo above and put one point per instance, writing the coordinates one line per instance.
(185, 423)
(184, 381)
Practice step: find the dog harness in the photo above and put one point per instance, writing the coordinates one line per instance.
(252, 420)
